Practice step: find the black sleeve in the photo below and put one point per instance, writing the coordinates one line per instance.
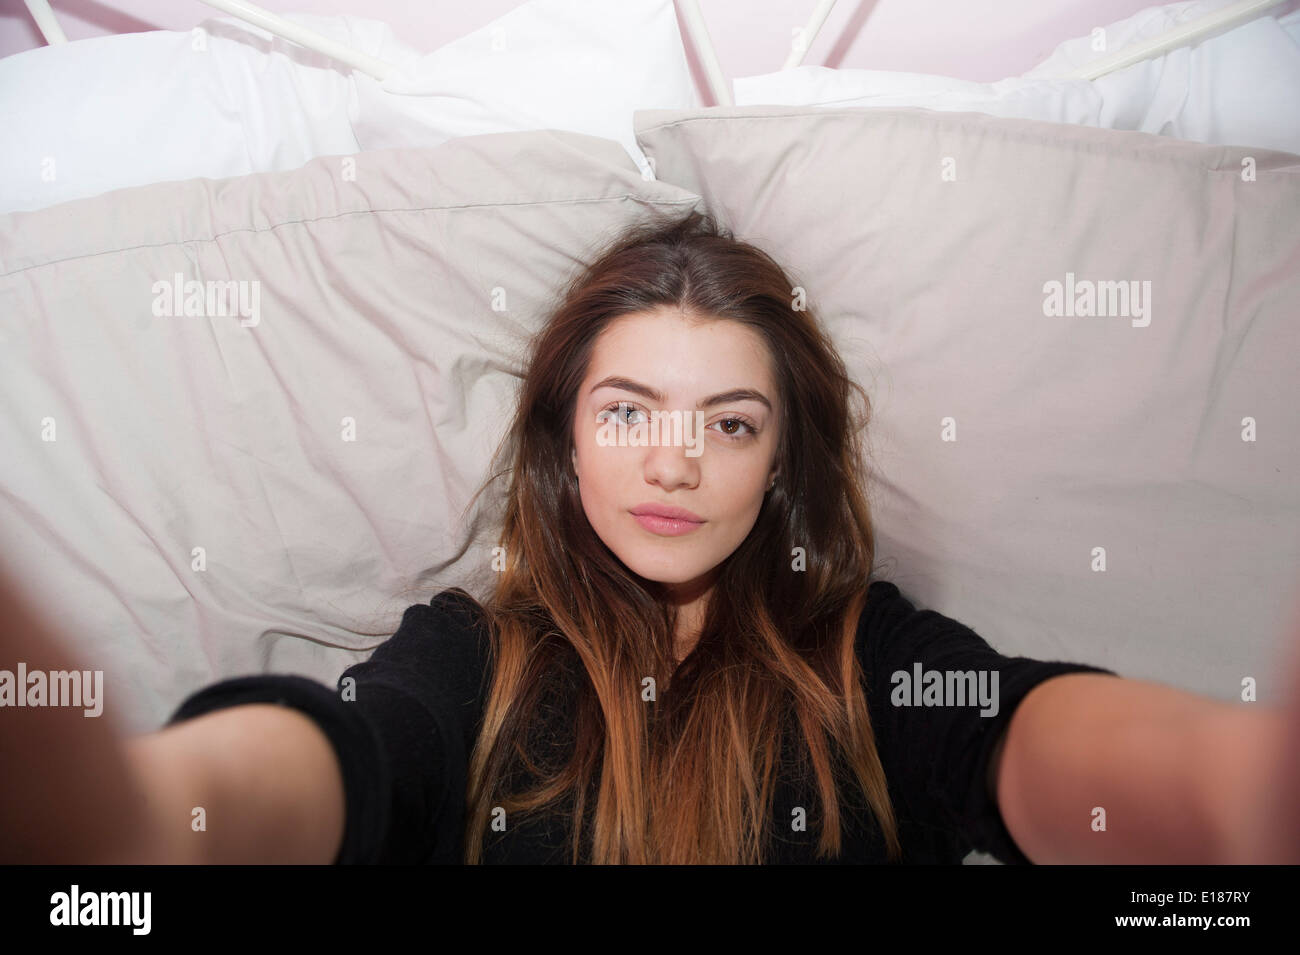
(939, 755)
(402, 724)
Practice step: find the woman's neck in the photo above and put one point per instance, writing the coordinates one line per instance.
(691, 600)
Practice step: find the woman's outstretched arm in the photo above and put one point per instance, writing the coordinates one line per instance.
(76, 791)
(266, 777)
(1100, 769)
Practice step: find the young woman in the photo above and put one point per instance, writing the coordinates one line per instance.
(683, 657)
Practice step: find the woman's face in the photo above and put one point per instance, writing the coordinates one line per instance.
(720, 472)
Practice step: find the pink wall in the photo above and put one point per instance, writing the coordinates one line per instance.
(982, 40)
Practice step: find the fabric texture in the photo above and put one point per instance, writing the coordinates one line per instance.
(83, 118)
(1079, 345)
(404, 722)
(1236, 88)
(210, 489)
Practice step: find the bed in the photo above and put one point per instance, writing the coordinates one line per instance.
(254, 362)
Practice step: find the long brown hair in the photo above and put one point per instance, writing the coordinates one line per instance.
(686, 777)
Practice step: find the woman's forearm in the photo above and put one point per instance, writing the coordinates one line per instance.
(1099, 769)
(66, 791)
(263, 779)
(257, 783)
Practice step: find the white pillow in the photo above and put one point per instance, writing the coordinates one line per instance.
(1061, 101)
(224, 99)
(1240, 88)
(549, 64)
(87, 117)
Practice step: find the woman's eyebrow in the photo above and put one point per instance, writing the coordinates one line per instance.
(645, 391)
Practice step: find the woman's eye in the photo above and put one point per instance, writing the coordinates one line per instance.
(621, 406)
(738, 423)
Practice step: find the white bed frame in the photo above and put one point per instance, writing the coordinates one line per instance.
(1203, 27)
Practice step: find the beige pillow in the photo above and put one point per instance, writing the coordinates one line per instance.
(196, 496)
(1117, 486)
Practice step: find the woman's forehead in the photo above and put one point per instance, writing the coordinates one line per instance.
(681, 359)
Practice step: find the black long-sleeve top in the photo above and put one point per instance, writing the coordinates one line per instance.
(403, 724)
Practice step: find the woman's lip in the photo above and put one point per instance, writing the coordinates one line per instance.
(667, 510)
(664, 526)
